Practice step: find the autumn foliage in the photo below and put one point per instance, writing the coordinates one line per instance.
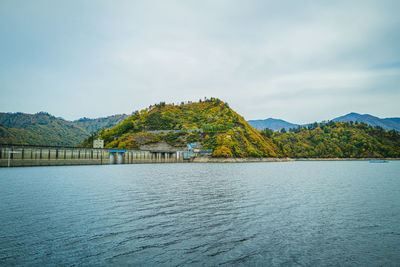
(210, 122)
(338, 140)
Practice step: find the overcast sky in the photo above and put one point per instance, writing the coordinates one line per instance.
(301, 61)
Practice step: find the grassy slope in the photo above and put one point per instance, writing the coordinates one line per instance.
(226, 132)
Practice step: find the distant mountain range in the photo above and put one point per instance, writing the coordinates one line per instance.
(44, 129)
(277, 124)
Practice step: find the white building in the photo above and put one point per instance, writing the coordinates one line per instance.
(98, 143)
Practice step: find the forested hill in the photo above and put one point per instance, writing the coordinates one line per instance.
(92, 125)
(211, 122)
(39, 129)
(386, 123)
(337, 140)
(44, 129)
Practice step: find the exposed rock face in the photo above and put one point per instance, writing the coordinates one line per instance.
(162, 146)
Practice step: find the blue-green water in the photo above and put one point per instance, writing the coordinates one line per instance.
(290, 213)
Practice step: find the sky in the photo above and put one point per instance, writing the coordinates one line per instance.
(301, 61)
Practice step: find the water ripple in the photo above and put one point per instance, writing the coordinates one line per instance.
(274, 214)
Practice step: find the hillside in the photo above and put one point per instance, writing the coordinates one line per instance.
(92, 125)
(39, 129)
(211, 123)
(270, 123)
(337, 140)
(387, 123)
(44, 129)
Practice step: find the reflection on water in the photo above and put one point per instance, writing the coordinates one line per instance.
(291, 213)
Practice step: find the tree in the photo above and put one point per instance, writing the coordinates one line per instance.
(267, 132)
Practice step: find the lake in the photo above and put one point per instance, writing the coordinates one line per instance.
(267, 214)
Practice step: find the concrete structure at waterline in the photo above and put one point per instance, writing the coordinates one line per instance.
(26, 155)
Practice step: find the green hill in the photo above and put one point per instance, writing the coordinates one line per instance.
(44, 129)
(337, 140)
(39, 129)
(211, 123)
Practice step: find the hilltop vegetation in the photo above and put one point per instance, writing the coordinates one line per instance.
(44, 129)
(337, 140)
(210, 122)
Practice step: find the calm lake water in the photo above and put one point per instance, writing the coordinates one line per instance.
(266, 214)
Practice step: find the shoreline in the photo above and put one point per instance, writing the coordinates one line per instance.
(244, 160)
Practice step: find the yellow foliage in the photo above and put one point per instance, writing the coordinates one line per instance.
(225, 131)
(222, 152)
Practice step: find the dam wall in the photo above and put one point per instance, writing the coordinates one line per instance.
(26, 155)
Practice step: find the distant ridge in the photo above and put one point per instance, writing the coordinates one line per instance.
(386, 123)
(92, 125)
(278, 124)
(270, 123)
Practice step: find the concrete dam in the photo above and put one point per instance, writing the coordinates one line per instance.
(27, 155)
